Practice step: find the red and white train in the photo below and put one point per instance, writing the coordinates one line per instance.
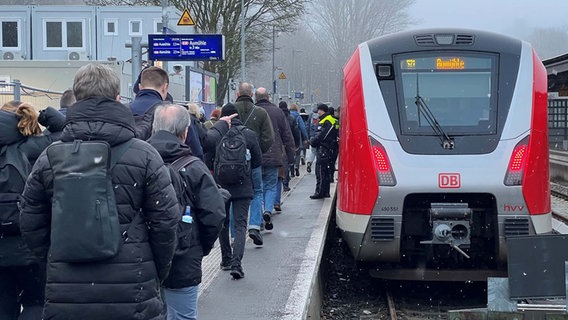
(443, 152)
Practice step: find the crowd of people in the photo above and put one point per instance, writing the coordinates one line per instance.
(149, 277)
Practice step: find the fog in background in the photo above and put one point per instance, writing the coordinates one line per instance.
(544, 23)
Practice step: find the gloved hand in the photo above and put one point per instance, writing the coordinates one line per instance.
(52, 119)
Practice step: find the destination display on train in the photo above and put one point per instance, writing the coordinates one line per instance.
(186, 47)
(445, 63)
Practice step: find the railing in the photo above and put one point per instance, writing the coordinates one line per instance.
(39, 98)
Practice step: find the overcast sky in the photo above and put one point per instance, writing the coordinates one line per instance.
(512, 17)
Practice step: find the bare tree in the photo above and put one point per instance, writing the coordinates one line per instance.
(549, 42)
(223, 16)
(341, 25)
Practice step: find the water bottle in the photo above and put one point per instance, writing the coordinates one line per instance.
(187, 218)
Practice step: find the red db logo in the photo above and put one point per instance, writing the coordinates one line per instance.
(449, 180)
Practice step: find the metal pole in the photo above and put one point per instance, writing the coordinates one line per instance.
(165, 4)
(17, 89)
(136, 58)
(243, 72)
(273, 62)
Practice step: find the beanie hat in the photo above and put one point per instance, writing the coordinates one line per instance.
(323, 107)
(228, 110)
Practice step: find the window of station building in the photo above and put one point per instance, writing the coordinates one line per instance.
(135, 27)
(10, 35)
(63, 34)
(158, 26)
(111, 27)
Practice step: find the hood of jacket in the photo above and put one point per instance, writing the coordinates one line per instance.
(168, 146)
(9, 128)
(99, 118)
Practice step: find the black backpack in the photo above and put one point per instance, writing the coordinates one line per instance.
(232, 158)
(185, 199)
(84, 220)
(14, 170)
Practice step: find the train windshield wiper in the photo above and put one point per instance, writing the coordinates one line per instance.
(447, 142)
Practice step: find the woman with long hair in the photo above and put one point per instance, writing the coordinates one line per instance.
(22, 274)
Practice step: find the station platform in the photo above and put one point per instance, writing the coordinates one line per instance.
(281, 274)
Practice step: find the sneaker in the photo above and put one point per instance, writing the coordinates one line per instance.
(286, 188)
(225, 266)
(309, 167)
(316, 196)
(237, 272)
(297, 172)
(303, 161)
(277, 208)
(267, 221)
(256, 237)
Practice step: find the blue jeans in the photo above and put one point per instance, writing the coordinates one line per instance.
(269, 182)
(255, 218)
(181, 303)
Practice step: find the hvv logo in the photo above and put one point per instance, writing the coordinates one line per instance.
(449, 180)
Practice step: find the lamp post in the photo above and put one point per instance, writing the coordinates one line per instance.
(294, 69)
(243, 72)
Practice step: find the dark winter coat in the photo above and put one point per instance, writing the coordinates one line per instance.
(207, 210)
(326, 138)
(127, 285)
(283, 139)
(257, 120)
(13, 250)
(213, 138)
(142, 108)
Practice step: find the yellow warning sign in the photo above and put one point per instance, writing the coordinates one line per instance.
(282, 76)
(186, 19)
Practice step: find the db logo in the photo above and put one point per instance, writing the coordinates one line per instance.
(449, 180)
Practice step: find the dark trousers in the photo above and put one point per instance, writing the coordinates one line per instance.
(324, 171)
(240, 215)
(22, 286)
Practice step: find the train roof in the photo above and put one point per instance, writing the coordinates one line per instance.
(444, 38)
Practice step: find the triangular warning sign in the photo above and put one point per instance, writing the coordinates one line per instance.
(186, 19)
(282, 76)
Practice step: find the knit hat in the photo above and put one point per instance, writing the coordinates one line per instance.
(323, 107)
(228, 110)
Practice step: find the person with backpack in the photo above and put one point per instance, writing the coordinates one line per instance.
(22, 274)
(303, 133)
(237, 155)
(119, 275)
(257, 120)
(198, 196)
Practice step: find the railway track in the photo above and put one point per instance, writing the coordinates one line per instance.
(407, 300)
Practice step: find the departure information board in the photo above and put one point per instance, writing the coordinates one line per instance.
(186, 47)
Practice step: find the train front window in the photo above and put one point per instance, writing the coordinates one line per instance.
(459, 89)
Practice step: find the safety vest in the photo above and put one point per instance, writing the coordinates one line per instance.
(334, 122)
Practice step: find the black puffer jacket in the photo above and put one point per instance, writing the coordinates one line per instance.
(207, 210)
(213, 138)
(125, 286)
(13, 250)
